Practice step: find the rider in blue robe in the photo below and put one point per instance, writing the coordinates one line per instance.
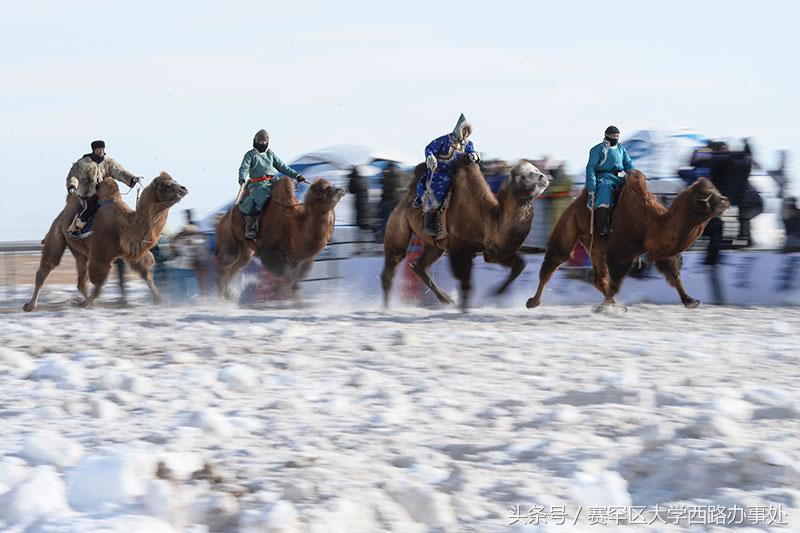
(440, 155)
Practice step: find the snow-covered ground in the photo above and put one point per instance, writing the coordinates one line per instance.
(218, 418)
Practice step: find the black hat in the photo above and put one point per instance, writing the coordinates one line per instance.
(612, 130)
(98, 144)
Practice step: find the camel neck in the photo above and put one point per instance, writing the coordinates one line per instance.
(147, 222)
(511, 221)
(676, 228)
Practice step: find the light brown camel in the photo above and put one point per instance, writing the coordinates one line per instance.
(291, 235)
(118, 232)
(640, 225)
(476, 222)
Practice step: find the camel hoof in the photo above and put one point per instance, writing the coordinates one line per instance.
(445, 299)
(88, 304)
(611, 308)
(691, 303)
(28, 307)
(531, 303)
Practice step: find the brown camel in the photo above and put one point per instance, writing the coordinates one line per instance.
(118, 232)
(640, 226)
(292, 234)
(476, 222)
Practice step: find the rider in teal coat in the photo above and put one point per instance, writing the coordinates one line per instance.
(604, 173)
(259, 168)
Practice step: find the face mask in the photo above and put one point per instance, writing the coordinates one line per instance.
(612, 142)
(97, 158)
(261, 147)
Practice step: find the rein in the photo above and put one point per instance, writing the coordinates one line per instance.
(138, 187)
(294, 205)
(707, 201)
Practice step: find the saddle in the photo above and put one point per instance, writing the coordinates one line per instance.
(442, 217)
(88, 227)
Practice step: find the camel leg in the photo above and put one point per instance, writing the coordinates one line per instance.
(144, 267)
(54, 245)
(559, 249)
(552, 260)
(98, 273)
(602, 279)
(615, 273)
(395, 244)
(430, 254)
(461, 265)
(228, 271)
(298, 275)
(671, 268)
(81, 264)
(517, 264)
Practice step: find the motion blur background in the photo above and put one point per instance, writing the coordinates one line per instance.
(182, 87)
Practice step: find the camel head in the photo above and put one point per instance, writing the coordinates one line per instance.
(164, 190)
(322, 195)
(705, 200)
(526, 182)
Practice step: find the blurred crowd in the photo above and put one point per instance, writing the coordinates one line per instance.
(730, 169)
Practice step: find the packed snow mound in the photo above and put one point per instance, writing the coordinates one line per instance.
(224, 419)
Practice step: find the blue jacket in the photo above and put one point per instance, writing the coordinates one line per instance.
(447, 151)
(616, 160)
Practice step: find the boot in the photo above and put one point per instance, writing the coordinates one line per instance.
(601, 220)
(75, 229)
(251, 228)
(430, 222)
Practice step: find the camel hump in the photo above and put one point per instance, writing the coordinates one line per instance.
(637, 181)
(108, 188)
(283, 191)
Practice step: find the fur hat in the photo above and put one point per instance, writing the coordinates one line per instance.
(98, 144)
(261, 137)
(611, 130)
(461, 125)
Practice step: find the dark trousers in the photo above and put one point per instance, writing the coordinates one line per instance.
(90, 209)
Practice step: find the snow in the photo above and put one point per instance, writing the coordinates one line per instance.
(238, 377)
(40, 495)
(117, 477)
(217, 418)
(13, 471)
(50, 447)
(60, 370)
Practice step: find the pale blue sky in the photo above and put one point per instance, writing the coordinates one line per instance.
(182, 86)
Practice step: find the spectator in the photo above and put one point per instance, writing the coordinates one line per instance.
(187, 252)
(359, 188)
(791, 221)
(391, 184)
(730, 172)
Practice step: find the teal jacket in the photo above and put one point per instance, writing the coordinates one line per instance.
(256, 164)
(616, 160)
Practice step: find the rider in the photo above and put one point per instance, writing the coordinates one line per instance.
(440, 155)
(604, 173)
(85, 176)
(258, 169)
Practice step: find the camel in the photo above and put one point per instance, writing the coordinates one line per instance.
(291, 236)
(640, 226)
(119, 231)
(476, 222)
